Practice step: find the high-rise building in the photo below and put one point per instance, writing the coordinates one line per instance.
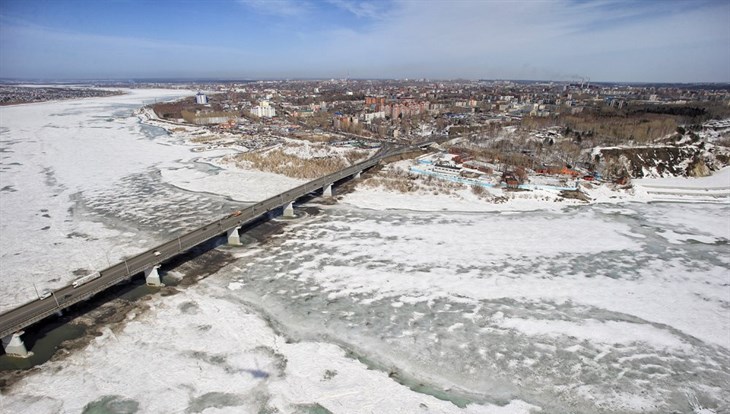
(263, 110)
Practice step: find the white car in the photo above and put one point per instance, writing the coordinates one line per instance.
(46, 294)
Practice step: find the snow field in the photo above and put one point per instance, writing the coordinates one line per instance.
(246, 186)
(197, 352)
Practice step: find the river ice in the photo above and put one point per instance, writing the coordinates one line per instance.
(598, 308)
(589, 308)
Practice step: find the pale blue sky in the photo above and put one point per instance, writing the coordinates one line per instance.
(606, 40)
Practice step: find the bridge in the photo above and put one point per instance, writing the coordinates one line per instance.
(14, 321)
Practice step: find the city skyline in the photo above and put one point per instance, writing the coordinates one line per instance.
(672, 41)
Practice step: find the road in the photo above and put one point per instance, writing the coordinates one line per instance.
(37, 310)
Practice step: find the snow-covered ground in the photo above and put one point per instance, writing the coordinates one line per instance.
(197, 352)
(715, 188)
(544, 196)
(381, 303)
(462, 200)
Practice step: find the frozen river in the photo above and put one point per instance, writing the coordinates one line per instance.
(603, 308)
(83, 183)
(591, 307)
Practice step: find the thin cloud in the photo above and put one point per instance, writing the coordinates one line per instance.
(504, 39)
(26, 29)
(678, 41)
(42, 52)
(362, 9)
(278, 7)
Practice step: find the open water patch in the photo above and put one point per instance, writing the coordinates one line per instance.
(111, 404)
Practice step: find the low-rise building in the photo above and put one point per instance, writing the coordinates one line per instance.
(446, 169)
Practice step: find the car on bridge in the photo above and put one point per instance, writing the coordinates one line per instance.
(86, 279)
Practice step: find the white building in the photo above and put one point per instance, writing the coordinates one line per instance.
(373, 115)
(447, 169)
(201, 98)
(263, 110)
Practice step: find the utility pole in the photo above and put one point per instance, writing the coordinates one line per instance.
(36, 291)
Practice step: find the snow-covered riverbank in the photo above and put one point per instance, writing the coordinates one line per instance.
(713, 189)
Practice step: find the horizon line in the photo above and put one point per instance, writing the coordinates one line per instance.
(324, 79)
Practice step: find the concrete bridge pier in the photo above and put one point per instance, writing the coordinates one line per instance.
(289, 210)
(14, 345)
(327, 191)
(233, 237)
(151, 277)
(357, 176)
